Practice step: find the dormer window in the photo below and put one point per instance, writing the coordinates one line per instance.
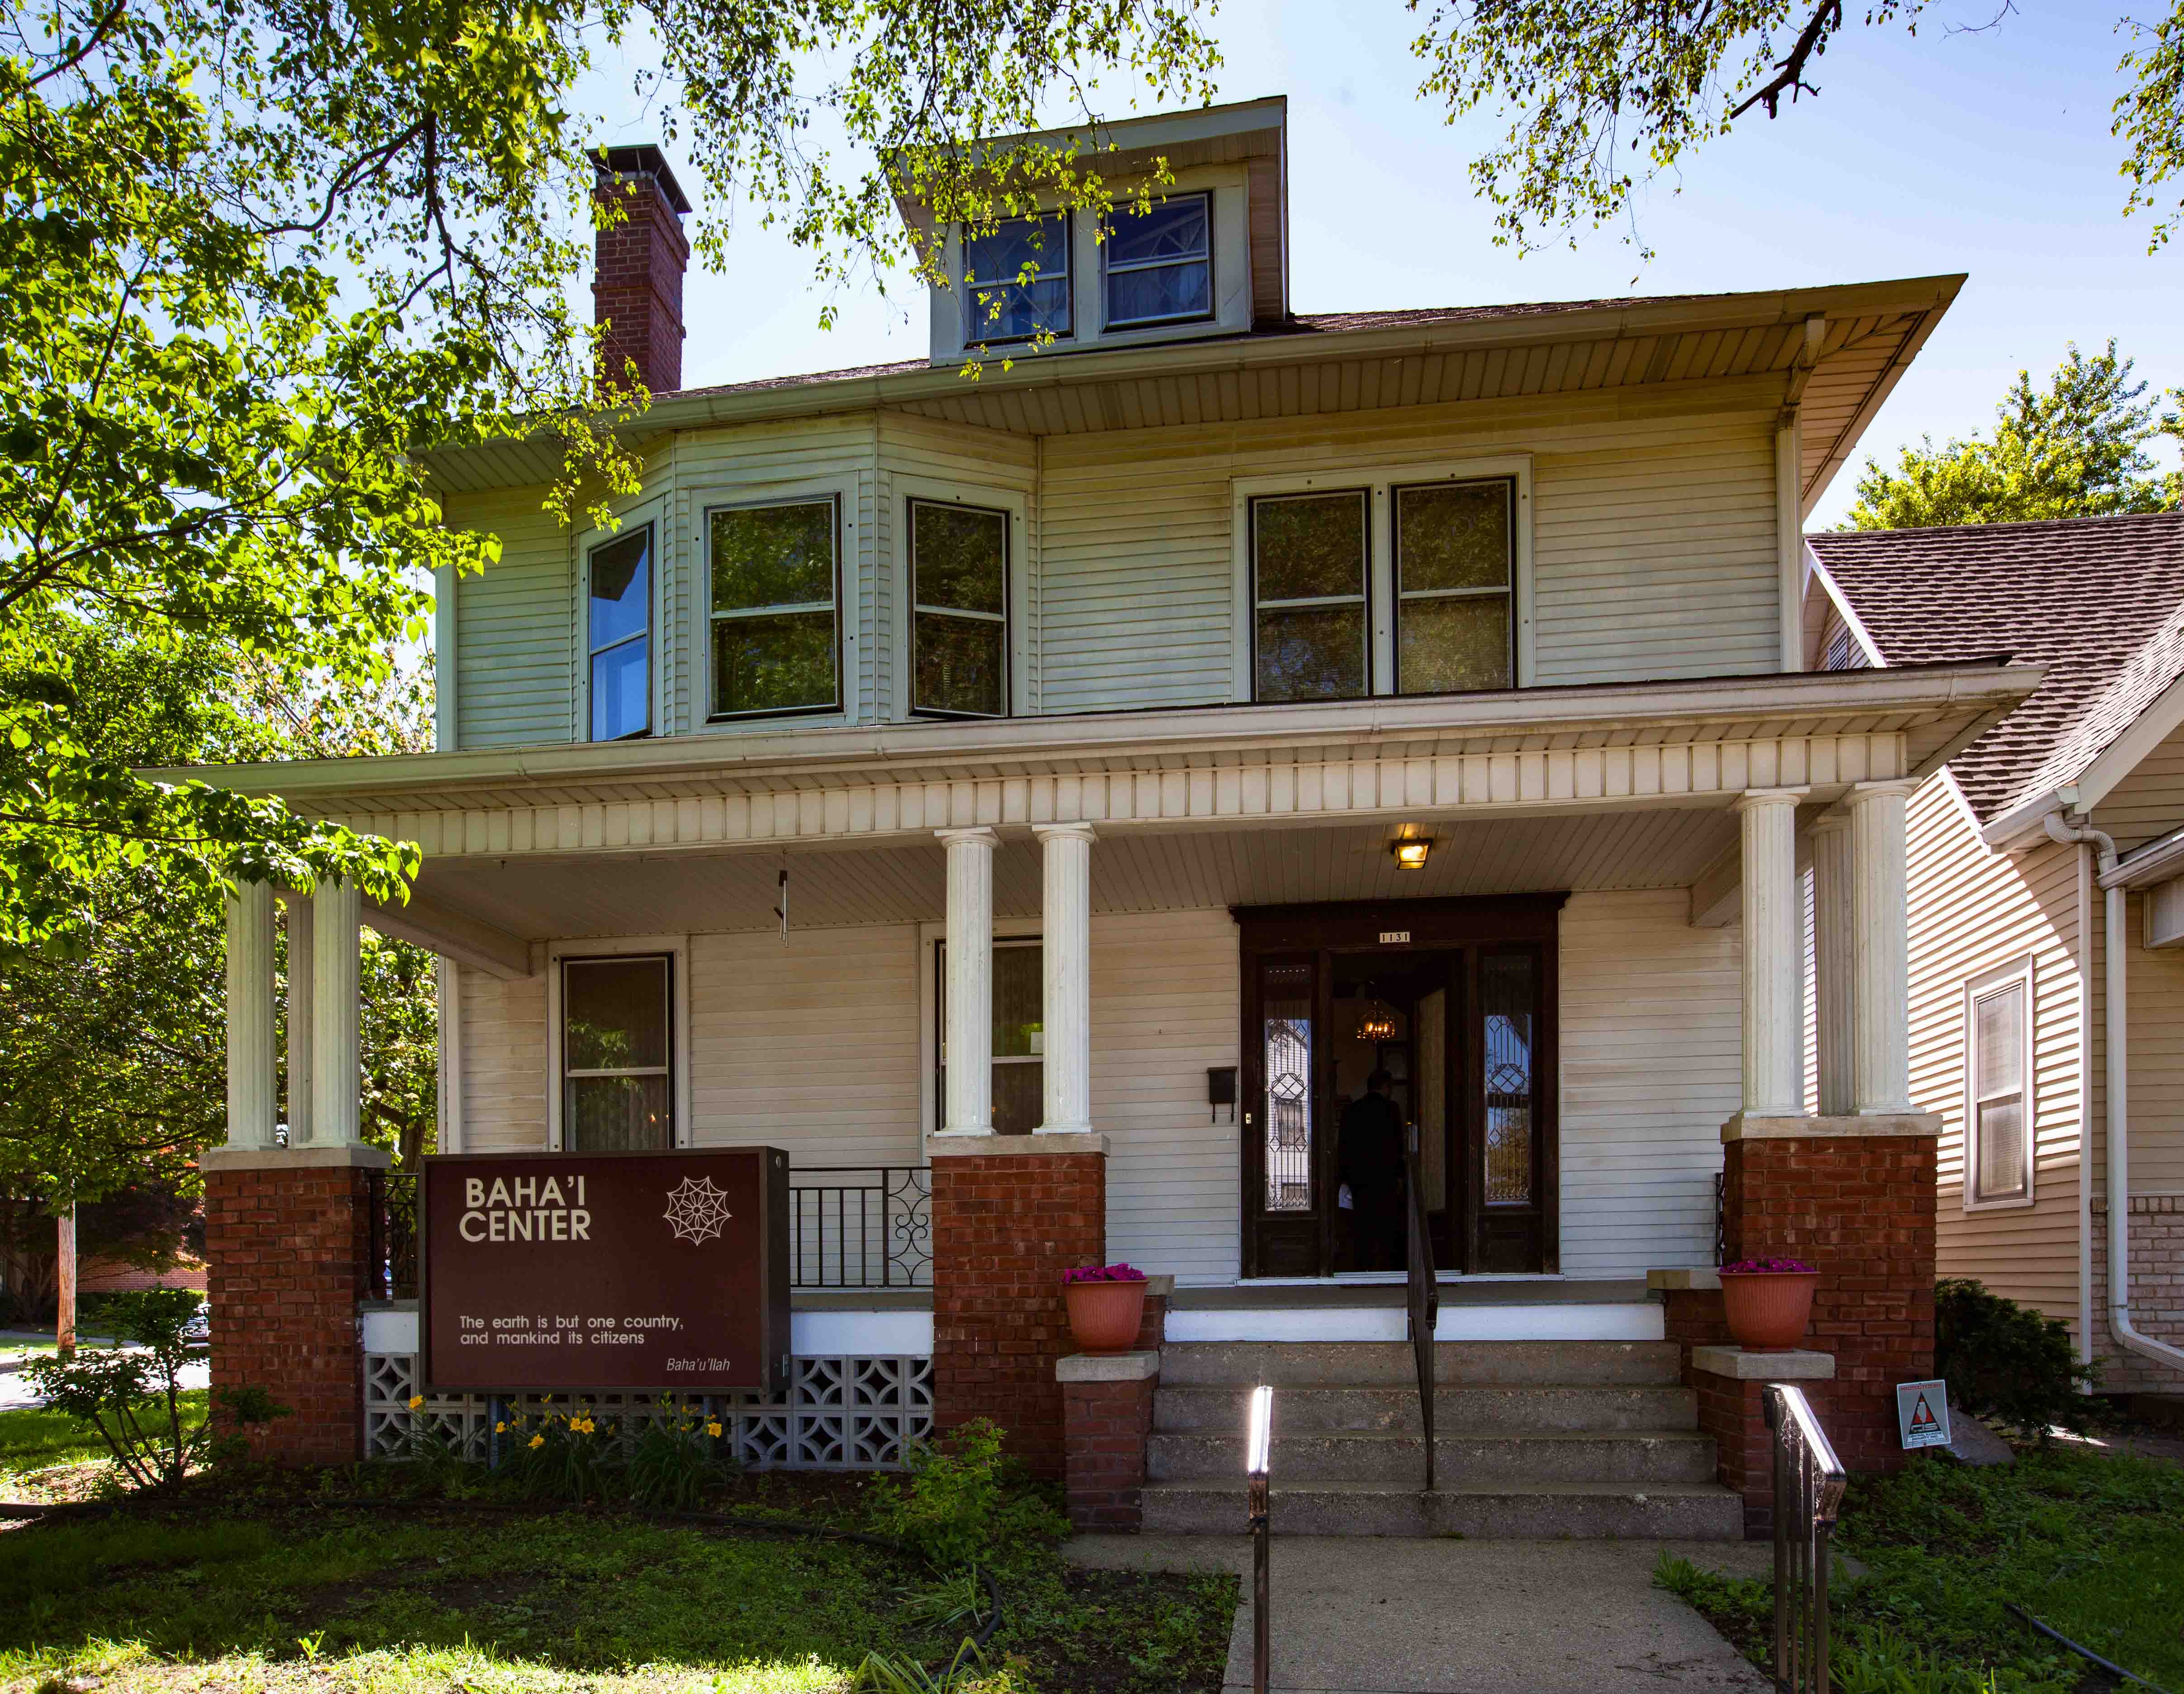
(1159, 262)
(1018, 277)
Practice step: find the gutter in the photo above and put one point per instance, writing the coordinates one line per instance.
(2116, 1023)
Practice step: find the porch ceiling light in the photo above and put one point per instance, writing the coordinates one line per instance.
(1410, 852)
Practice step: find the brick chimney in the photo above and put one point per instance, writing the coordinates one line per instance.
(636, 285)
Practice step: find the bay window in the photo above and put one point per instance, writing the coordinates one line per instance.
(618, 636)
(775, 608)
(958, 632)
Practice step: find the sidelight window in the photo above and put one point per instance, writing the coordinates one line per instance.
(1509, 996)
(1310, 567)
(775, 609)
(959, 563)
(1285, 1003)
(617, 1054)
(1998, 1118)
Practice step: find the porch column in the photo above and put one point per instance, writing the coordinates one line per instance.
(1881, 1048)
(1066, 951)
(302, 979)
(969, 1031)
(1774, 960)
(337, 912)
(1834, 962)
(251, 1104)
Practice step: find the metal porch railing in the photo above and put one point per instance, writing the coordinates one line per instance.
(391, 1271)
(1809, 1491)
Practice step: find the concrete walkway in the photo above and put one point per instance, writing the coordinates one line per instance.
(1387, 1616)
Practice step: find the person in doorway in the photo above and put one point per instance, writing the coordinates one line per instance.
(1371, 1155)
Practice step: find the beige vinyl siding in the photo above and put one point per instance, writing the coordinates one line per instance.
(1652, 1067)
(810, 1045)
(1973, 911)
(504, 1062)
(1655, 540)
(2149, 801)
(1165, 1007)
(515, 671)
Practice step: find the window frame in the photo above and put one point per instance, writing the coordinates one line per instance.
(1380, 476)
(917, 607)
(931, 936)
(973, 308)
(705, 708)
(1399, 595)
(652, 511)
(1363, 599)
(677, 949)
(2021, 974)
(898, 687)
(1109, 321)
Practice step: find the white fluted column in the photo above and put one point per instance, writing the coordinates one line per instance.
(296, 910)
(1774, 956)
(1881, 1045)
(1066, 960)
(1835, 963)
(337, 912)
(968, 1032)
(252, 1105)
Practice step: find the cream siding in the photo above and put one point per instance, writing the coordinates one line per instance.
(515, 664)
(1973, 911)
(504, 1062)
(1652, 1067)
(2149, 801)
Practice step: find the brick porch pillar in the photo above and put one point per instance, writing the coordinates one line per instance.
(288, 1249)
(1010, 1214)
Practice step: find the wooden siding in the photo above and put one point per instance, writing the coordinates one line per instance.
(504, 1062)
(515, 667)
(1652, 1067)
(1972, 912)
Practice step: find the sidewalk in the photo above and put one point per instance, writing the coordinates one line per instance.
(1373, 1616)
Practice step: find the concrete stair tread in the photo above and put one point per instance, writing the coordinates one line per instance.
(1619, 1489)
(1414, 1437)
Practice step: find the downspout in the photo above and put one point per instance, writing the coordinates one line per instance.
(2116, 1026)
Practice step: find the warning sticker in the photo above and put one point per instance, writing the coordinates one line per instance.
(1922, 1413)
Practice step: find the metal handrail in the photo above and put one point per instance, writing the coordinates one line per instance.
(1808, 1491)
(1422, 1295)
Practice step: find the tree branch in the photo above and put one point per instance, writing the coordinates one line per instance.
(1789, 74)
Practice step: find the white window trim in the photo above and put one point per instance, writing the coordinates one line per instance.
(1023, 691)
(977, 326)
(1212, 311)
(703, 498)
(651, 510)
(677, 947)
(1379, 475)
(2019, 971)
(929, 938)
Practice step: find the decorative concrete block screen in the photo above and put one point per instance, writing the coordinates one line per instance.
(839, 1413)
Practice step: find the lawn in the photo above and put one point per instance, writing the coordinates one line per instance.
(2091, 1545)
(262, 1586)
(34, 1440)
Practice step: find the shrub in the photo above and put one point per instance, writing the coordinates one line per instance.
(960, 1507)
(674, 1459)
(2005, 1361)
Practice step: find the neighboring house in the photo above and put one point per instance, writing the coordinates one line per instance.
(2011, 966)
(1220, 690)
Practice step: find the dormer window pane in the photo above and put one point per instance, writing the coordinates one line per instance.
(959, 562)
(1160, 262)
(1018, 276)
(775, 608)
(618, 628)
(1308, 557)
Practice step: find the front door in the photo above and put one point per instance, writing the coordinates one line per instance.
(1445, 1008)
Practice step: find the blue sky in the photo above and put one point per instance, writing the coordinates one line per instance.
(1985, 152)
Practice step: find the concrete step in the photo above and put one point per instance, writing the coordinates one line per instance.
(1365, 1364)
(1466, 1461)
(1668, 1511)
(1513, 1411)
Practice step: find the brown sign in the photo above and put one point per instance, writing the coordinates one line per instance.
(652, 1272)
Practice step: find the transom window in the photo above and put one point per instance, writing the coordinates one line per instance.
(1998, 1140)
(959, 564)
(1159, 262)
(618, 635)
(617, 1054)
(1018, 280)
(1019, 1036)
(775, 612)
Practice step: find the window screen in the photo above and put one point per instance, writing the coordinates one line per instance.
(617, 1054)
(959, 562)
(618, 635)
(1018, 278)
(1997, 1165)
(1454, 568)
(1308, 562)
(774, 618)
(1160, 262)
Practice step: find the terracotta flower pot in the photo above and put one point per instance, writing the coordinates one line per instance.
(1768, 1311)
(1104, 1315)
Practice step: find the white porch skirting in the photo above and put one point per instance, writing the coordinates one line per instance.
(1636, 1321)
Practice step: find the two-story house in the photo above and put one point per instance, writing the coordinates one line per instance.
(1125, 755)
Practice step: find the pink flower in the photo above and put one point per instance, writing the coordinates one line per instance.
(1103, 1273)
(1765, 1266)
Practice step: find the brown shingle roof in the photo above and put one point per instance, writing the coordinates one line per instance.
(2099, 601)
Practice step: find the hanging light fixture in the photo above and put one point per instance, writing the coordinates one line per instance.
(1410, 852)
(1377, 1023)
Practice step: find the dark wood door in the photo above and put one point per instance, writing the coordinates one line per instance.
(1286, 1192)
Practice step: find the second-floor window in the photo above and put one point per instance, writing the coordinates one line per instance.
(1159, 262)
(1454, 556)
(959, 565)
(618, 635)
(1311, 563)
(1018, 280)
(775, 616)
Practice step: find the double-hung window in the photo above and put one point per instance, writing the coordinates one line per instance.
(959, 567)
(1017, 278)
(1159, 262)
(618, 1054)
(775, 609)
(1998, 1114)
(1455, 571)
(1311, 566)
(618, 635)
(1019, 1060)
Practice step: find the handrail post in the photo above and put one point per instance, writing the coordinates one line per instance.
(1808, 1488)
(1258, 1452)
(1422, 1291)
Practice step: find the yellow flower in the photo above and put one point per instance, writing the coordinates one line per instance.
(416, 1401)
(713, 1427)
(538, 1440)
(500, 1428)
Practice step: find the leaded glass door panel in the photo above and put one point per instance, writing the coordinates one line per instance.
(1285, 1132)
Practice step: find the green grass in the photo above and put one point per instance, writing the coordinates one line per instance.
(33, 1439)
(2091, 1545)
(276, 1596)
